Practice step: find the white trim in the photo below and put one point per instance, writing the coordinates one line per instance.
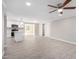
(63, 40)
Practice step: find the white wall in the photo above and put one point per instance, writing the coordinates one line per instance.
(40, 29)
(64, 29)
(36, 29)
(4, 31)
(47, 29)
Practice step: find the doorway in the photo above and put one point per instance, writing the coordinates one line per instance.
(30, 29)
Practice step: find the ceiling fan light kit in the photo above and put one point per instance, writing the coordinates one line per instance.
(60, 13)
(60, 10)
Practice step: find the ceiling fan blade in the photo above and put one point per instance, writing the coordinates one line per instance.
(52, 6)
(52, 11)
(69, 7)
(65, 3)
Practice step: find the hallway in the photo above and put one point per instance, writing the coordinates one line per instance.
(39, 48)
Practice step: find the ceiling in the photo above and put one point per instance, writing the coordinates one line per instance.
(38, 10)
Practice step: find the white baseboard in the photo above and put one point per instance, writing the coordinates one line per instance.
(63, 40)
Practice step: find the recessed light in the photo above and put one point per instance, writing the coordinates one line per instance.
(28, 3)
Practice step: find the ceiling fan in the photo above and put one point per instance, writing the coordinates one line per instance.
(61, 6)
